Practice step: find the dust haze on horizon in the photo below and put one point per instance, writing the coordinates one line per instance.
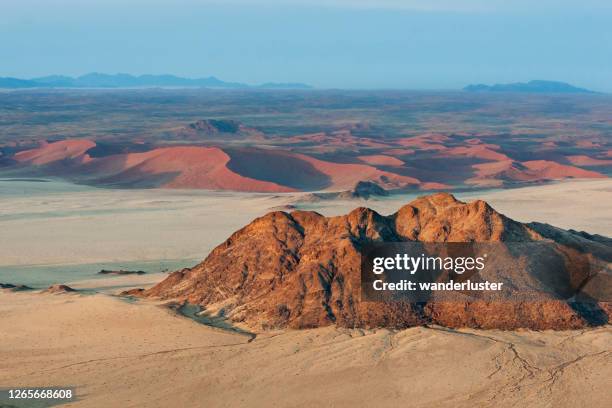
(351, 44)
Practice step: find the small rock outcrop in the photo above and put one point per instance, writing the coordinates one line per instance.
(120, 272)
(367, 189)
(58, 288)
(132, 292)
(14, 288)
(363, 190)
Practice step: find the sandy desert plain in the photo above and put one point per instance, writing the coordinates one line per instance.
(115, 351)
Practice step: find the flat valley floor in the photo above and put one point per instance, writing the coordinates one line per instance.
(58, 223)
(118, 354)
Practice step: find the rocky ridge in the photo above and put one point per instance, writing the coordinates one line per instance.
(302, 270)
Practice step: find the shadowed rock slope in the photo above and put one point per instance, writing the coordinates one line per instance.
(302, 270)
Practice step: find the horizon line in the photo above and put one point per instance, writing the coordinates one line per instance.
(265, 86)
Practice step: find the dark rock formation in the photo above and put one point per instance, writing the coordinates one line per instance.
(58, 288)
(363, 190)
(213, 128)
(367, 189)
(120, 272)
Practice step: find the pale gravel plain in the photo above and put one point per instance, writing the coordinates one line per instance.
(100, 225)
(119, 354)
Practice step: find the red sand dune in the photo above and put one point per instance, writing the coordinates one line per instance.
(589, 144)
(308, 173)
(398, 152)
(473, 147)
(495, 173)
(381, 160)
(474, 141)
(553, 171)
(203, 167)
(364, 142)
(550, 145)
(345, 136)
(277, 166)
(425, 142)
(340, 139)
(50, 152)
(212, 168)
(435, 186)
(190, 167)
(345, 176)
(477, 151)
(582, 160)
(275, 170)
(309, 138)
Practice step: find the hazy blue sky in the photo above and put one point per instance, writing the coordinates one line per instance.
(335, 43)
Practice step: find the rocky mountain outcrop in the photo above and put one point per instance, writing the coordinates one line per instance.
(302, 270)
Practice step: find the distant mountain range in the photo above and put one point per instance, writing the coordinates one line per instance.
(97, 80)
(538, 86)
